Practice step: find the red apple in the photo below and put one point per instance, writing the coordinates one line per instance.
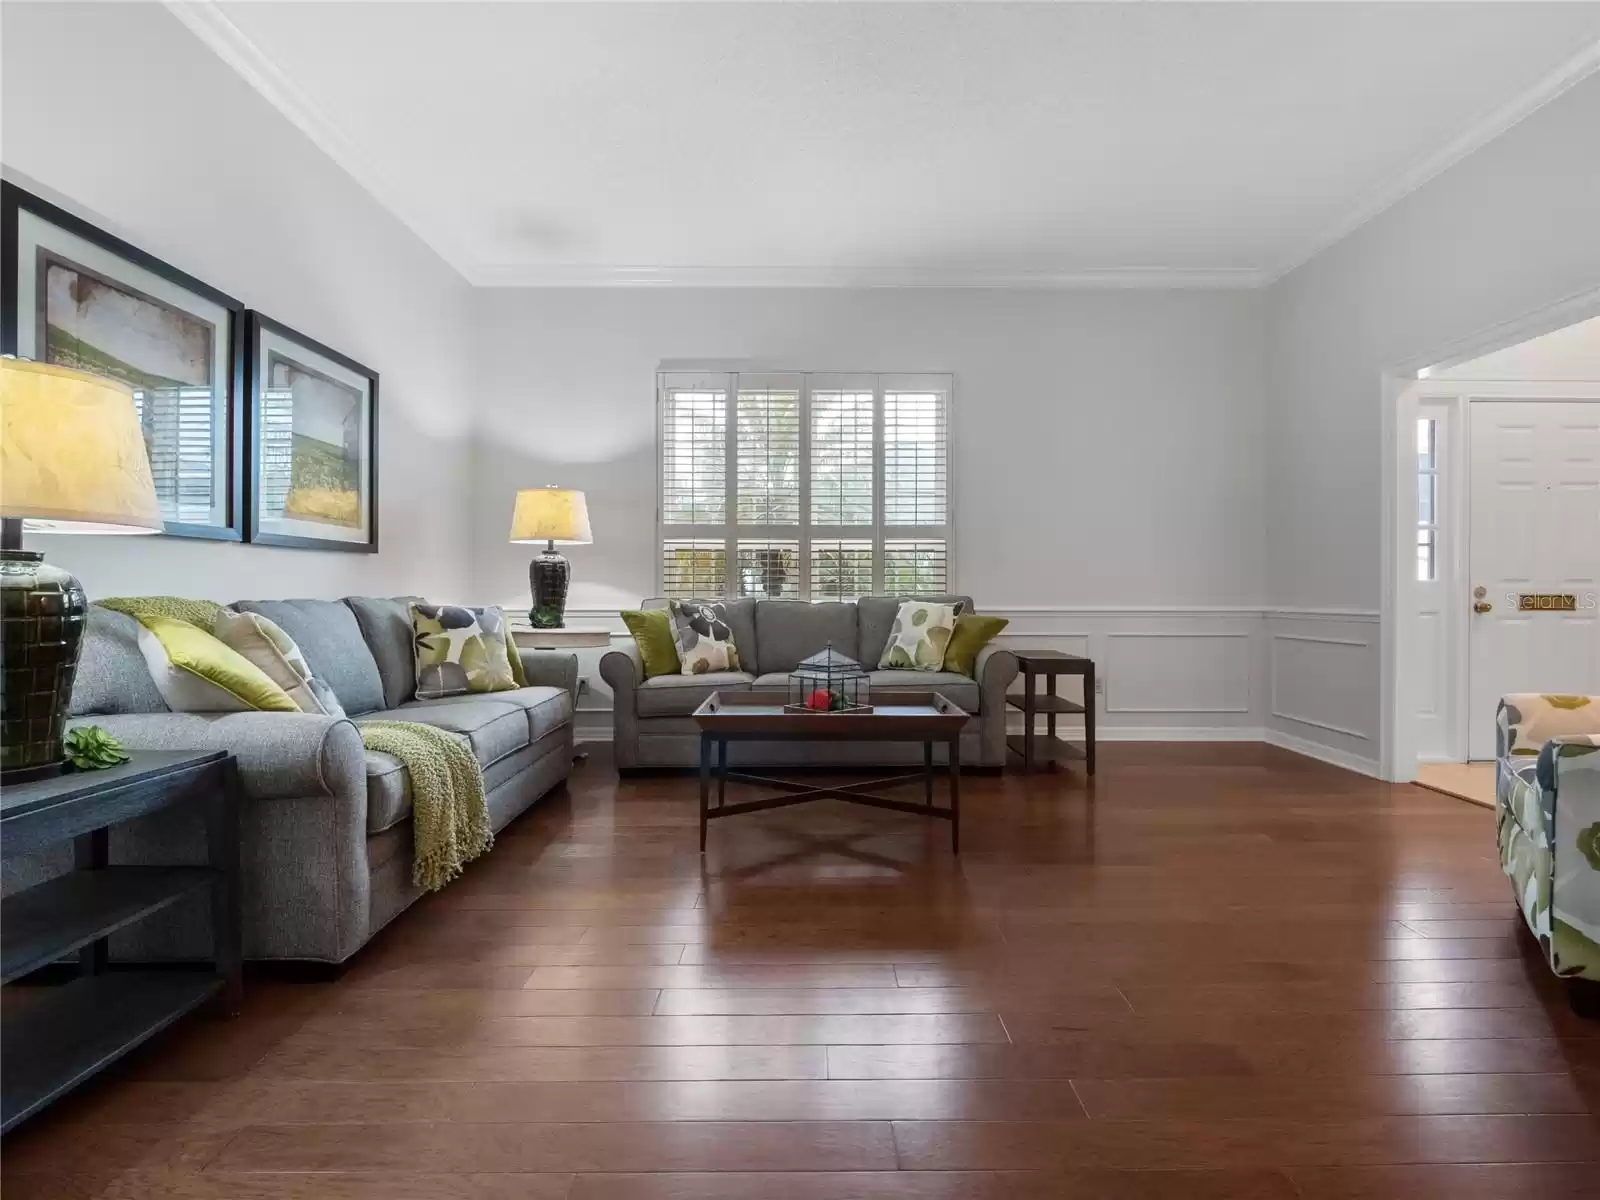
(819, 700)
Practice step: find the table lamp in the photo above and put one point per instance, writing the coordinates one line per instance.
(72, 460)
(550, 515)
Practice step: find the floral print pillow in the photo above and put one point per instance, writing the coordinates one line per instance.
(919, 636)
(460, 650)
(703, 636)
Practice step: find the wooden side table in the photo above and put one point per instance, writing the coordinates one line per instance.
(529, 638)
(1048, 748)
(60, 1036)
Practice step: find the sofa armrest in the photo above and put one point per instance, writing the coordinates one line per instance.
(550, 668)
(622, 667)
(280, 755)
(994, 669)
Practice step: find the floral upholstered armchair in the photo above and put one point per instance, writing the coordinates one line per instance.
(1547, 808)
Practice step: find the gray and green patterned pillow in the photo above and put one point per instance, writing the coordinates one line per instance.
(919, 636)
(460, 650)
(703, 636)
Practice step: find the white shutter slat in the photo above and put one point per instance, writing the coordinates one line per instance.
(693, 568)
(841, 457)
(768, 457)
(769, 569)
(915, 453)
(915, 566)
(841, 568)
(694, 467)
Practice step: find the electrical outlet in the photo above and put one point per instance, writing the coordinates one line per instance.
(1099, 685)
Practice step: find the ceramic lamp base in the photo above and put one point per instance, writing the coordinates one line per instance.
(42, 614)
(548, 575)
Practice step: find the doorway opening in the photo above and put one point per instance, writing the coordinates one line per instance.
(1502, 461)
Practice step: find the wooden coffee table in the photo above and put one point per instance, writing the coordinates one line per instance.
(925, 717)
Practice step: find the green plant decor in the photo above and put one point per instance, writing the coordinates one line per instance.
(90, 748)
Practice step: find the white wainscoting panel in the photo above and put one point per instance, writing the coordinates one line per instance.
(1193, 672)
(1322, 673)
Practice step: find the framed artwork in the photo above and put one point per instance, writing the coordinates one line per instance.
(72, 294)
(313, 442)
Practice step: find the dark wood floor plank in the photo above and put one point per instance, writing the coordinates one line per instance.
(507, 1146)
(1500, 1181)
(1316, 1097)
(943, 1185)
(1369, 1141)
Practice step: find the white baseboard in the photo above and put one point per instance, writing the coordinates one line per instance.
(1327, 754)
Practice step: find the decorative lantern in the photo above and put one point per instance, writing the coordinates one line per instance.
(828, 682)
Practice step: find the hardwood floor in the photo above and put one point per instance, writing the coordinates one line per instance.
(1219, 971)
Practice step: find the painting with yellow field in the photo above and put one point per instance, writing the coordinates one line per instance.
(325, 455)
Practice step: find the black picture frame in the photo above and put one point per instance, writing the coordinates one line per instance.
(14, 201)
(257, 323)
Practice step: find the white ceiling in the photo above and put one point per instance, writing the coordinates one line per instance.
(793, 143)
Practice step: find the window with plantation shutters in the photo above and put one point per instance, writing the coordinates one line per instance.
(803, 486)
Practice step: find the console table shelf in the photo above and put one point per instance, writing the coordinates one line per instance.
(59, 1040)
(52, 1038)
(50, 921)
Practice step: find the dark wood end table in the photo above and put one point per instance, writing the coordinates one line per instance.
(925, 717)
(1049, 748)
(60, 1036)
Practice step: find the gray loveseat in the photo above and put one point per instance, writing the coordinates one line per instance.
(326, 824)
(652, 722)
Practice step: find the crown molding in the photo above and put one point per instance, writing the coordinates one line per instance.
(536, 276)
(227, 41)
(1473, 138)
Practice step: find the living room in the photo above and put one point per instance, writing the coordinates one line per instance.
(1173, 272)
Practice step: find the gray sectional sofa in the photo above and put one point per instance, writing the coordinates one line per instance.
(652, 722)
(326, 824)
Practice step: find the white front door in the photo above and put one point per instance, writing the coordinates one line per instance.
(1535, 532)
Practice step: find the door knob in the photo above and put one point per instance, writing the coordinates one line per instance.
(1481, 606)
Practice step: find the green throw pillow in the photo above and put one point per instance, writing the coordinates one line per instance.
(652, 629)
(194, 672)
(972, 634)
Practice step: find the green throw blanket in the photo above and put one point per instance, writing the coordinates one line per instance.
(449, 817)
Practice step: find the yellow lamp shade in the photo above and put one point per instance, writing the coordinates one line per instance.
(71, 451)
(550, 514)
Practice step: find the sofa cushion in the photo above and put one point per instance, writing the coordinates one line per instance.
(547, 707)
(788, 631)
(389, 783)
(875, 617)
(493, 727)
(960, 690)
(328, 635)
(386, 625)
(388, 791)
(112, 677)
(680, 695)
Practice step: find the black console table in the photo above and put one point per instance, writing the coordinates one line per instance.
(54, 1038)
